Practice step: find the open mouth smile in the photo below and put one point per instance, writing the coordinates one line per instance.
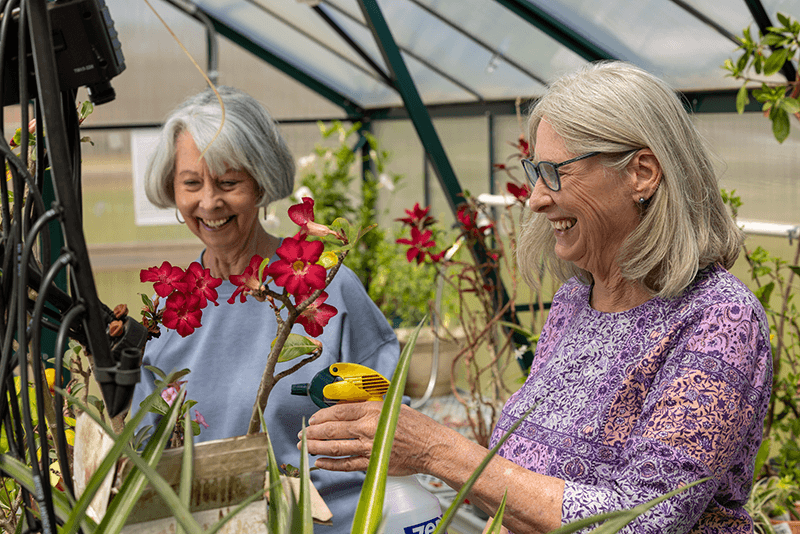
(563, 224)
(215, 224)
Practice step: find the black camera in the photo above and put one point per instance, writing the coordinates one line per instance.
(87, 50)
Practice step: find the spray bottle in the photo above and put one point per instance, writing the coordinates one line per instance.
(410, 508)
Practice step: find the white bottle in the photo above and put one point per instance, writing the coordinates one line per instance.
(410, 508)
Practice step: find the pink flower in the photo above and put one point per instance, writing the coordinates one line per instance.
(199, 419)
(182, 313)
(167, 278)
(169, 394)
(418, 217)
(248, 281)
(297, 269)
(303, 216)
(521, 193)
(201, 283)
(316, 315)
(419, 243)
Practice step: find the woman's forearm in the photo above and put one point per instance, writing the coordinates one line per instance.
(533, 503)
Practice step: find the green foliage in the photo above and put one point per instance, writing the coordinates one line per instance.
(766, 56)
(403, 292)
(777, 282)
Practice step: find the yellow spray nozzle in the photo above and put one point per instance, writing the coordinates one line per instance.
(358, 383)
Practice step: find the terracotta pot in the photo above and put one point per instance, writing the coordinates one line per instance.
(420, 370)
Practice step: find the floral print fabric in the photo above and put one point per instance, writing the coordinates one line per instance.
(635, 404)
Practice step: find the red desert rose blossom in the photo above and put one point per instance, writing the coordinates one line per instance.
(419, 243)
(418, 217)
(469, 221)
(248, 281)
(201, 283)
(297, 268)
(167, 278)
(316, 315)
(303, 216)
(520, 193)
(182, 313)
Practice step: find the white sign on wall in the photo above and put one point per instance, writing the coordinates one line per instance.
(143, 143)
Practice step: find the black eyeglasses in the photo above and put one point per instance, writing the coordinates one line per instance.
(549, 170)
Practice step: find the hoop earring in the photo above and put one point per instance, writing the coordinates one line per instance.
(178, 216)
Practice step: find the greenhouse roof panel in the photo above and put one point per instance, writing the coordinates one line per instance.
(488, 50)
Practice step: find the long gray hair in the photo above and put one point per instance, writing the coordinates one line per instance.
(613, 108)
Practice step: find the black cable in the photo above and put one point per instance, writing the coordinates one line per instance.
(40, 180)
(61, 440)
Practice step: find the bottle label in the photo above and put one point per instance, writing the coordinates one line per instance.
(426, 527)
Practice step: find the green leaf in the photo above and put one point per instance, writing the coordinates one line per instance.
(187, 468)
(370, 505)
(303, 511)
(783, 19)
(775, 61)
(763, 293)
(133, 486)
(156, 371)
(791, 105)
(450, 513)
(780, 125)
(497, 522)
(795, 269)
(22, 474)
(296, 346)
(761, 458)
(278, 507)
(615, 521)
(742, 99)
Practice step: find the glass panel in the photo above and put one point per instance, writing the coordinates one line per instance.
(658, 36)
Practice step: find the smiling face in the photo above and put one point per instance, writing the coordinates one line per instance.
(221, 210)
(594, 211)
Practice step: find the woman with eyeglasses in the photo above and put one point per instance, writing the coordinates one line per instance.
(653, 369)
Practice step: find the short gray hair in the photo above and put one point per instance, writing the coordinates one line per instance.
(614, 108)
(249, 141)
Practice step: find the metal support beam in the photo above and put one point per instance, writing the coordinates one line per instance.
(352, 109)
(555, 29)
(413, 102)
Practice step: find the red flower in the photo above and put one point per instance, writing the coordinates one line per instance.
(201, 283)
(521, 193)
(523, 146)
(418, 217)
(199, 419)
(248, 281)
(468, 219)
(419, 242)
(182, 313)
(297, 269)
(167, 278)
(316, 315)
(303, 216)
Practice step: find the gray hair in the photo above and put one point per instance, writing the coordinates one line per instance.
(614, 108)
(249, 141)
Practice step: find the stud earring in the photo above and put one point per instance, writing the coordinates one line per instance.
(642, 200)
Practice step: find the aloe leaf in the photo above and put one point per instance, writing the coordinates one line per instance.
(303, 511)
(21, 473)
(615, 521)
(133, 486)
(187, 465)
(450, 513)
(497, 522)
(370, 505)
(78, 514)
(278, 507)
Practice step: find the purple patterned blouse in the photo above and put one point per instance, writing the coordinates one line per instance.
(637, 403)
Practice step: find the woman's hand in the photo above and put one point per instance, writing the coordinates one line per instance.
(347, 432)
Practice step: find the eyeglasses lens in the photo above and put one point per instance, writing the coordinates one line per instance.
(549, 174)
